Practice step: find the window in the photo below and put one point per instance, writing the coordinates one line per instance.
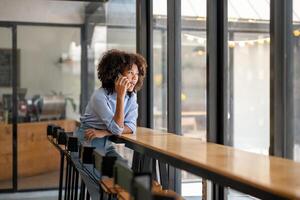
(6, 130)
(249, 77)
(160, 64)
(296, 78)
(115, 31)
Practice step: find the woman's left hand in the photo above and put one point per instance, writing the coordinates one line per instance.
(90, 134)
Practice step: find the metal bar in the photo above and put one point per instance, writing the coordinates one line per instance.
(87, 195)
(174, 66)
(73, 181)
(216, 70)
(163, 174)
(218, 106)
(147, 164)
(61, 174)
(230, 134)
(281, 80)
(84, 71)
(174, 80)
(82, 190)
(76, 184)
(144, 42)
(67, 178)
(16, 23)
(15, 107)
(136, 160)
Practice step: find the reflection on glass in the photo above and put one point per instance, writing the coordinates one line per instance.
(50, 56)
(249, 77)
(193, 96)
(160, 64)
(296, 78)
(5, 108)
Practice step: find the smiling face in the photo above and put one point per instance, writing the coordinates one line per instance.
(133, 76)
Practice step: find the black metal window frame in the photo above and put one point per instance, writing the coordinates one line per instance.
(13, 25)
(219, 127)
(281, 79)
(281, 102)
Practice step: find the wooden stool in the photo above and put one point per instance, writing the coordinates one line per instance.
(104, 165)
(108, 187)
(123, 178)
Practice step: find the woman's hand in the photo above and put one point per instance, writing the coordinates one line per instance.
(121, 86)
(90, 134)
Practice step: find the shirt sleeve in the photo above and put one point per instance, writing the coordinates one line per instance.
(103, 111)
(132, 115)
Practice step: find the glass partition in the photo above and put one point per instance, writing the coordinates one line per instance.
(49, 92)
(6, 106)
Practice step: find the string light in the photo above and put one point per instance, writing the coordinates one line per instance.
(296, 33)
(233, 44)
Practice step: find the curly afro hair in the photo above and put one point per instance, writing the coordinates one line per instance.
(115, 62)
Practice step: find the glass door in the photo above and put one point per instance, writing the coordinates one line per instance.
(49, 92)
(6, 108)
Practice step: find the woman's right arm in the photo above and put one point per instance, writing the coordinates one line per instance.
(121, 86)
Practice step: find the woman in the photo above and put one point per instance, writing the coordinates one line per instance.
(113, 108)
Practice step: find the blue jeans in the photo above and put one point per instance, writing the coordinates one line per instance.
(104, 144)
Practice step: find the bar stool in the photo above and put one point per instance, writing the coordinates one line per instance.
(104, 165)
(141, 189)
(123, 177)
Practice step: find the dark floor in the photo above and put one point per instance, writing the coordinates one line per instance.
(43, 195)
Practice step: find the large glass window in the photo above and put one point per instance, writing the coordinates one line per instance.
(296, 78)
(160, 64)
(249, 65)
(6, 106)
(249, 77)
(115, 30)
(193, 70)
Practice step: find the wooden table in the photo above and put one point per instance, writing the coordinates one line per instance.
(265, 177)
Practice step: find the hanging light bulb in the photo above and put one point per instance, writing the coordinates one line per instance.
(250, 42)
(231, 44)
(183, 97)
(260, 41)
(296, 33)
(241, 43)
(200, 52)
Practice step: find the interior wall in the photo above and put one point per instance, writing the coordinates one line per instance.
(42, 11)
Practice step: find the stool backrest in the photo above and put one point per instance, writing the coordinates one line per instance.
(104, 164)
(141, 186)
(72, 143)
(86, 153)
(123, 175)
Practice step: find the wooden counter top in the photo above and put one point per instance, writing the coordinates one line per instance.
(221, 164)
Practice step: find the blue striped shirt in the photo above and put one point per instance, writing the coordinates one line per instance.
(101, 109)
